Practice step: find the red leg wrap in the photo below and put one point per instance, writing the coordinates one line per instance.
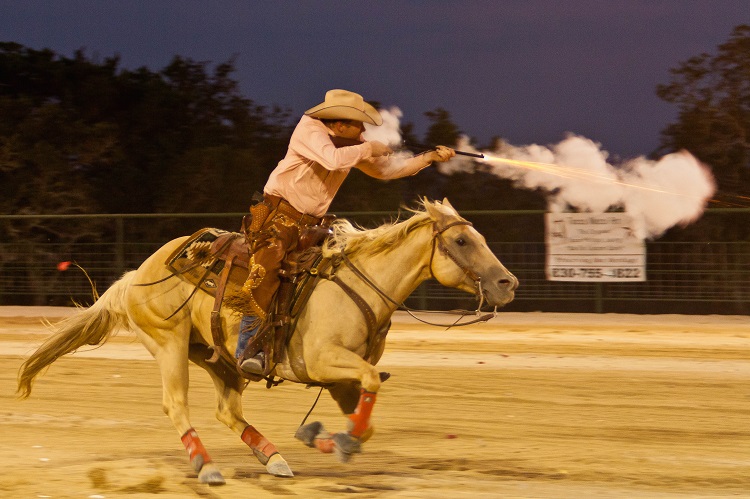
(361, 417)
(324, 445)
(195, 449)
(258, 442)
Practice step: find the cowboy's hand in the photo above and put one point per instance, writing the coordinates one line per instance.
(442, 153)
(379, 149)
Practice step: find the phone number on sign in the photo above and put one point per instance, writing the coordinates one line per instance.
(596, 272)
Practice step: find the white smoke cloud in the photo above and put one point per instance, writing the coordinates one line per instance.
(576, 173)
(390, 131)
(686, 186)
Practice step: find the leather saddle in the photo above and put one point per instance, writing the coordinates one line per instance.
(216, 262)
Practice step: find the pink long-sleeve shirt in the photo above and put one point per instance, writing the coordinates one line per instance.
(313, 169)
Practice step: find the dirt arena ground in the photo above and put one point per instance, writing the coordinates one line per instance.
(528, 405)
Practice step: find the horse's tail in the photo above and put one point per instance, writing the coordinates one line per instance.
(88, 326)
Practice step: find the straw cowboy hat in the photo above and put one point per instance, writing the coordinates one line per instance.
(345, 105)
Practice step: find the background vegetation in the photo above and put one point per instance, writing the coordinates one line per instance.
(83, 136)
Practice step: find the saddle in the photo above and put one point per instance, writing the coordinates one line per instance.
(217, 262)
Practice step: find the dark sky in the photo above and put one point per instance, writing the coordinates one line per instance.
(525, 70)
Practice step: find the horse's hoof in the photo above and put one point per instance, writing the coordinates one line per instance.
(211, 475)
(346, 446)
(306, 434)
(277, 466)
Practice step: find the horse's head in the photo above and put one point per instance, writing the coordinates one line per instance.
(461, 258)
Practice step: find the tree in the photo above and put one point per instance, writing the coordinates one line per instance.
(80, 137)
(442, 130)
(43, 151)
(135, 136)
(712, 93)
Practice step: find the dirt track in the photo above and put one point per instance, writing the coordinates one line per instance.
(529, 405)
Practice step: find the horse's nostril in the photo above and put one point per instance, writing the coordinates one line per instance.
(511, 283)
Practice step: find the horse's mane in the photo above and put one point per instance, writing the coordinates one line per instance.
(351, 238)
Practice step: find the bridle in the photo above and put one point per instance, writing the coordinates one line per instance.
(437, 242)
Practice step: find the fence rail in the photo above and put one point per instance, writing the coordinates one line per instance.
(703, 275)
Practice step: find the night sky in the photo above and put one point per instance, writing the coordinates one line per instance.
(529, 71)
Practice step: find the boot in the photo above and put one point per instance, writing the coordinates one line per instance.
(252, 365)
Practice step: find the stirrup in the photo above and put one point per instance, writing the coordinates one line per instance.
(254, 365)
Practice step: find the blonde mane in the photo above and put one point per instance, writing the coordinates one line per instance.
(351, 238)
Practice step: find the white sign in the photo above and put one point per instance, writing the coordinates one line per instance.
(593, 247)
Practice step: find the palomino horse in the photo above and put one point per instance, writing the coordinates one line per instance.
(383, 266)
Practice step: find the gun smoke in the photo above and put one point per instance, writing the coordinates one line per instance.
(575, 175)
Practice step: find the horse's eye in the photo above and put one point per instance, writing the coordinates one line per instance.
(461, 241)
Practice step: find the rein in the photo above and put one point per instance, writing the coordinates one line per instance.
(437, 242)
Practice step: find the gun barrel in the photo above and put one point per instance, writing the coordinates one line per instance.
(472, 154)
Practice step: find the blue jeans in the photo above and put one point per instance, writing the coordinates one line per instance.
(246, 332)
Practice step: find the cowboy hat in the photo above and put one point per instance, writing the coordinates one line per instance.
(345, 105)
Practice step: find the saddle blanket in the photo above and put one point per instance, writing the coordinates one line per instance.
(200, 259)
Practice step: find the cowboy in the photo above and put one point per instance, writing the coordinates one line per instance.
(302, 186)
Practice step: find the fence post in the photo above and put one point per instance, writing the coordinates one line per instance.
(422, 296)
(119, 245)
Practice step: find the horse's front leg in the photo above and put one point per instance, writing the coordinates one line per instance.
(355, 398)
(333, 364)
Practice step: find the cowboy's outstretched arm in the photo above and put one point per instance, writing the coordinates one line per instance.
(389, 168)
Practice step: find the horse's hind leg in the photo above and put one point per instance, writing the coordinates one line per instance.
(171, 353)
(229, 386)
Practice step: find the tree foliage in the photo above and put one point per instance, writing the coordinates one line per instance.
(79, 136)
(712, 93)
(85, 136)
(128, 140)
(82, 136)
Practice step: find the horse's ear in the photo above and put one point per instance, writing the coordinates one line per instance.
(431, 208)
(447, 208)
(437, 211)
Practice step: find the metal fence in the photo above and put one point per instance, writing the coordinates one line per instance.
(693, 273)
